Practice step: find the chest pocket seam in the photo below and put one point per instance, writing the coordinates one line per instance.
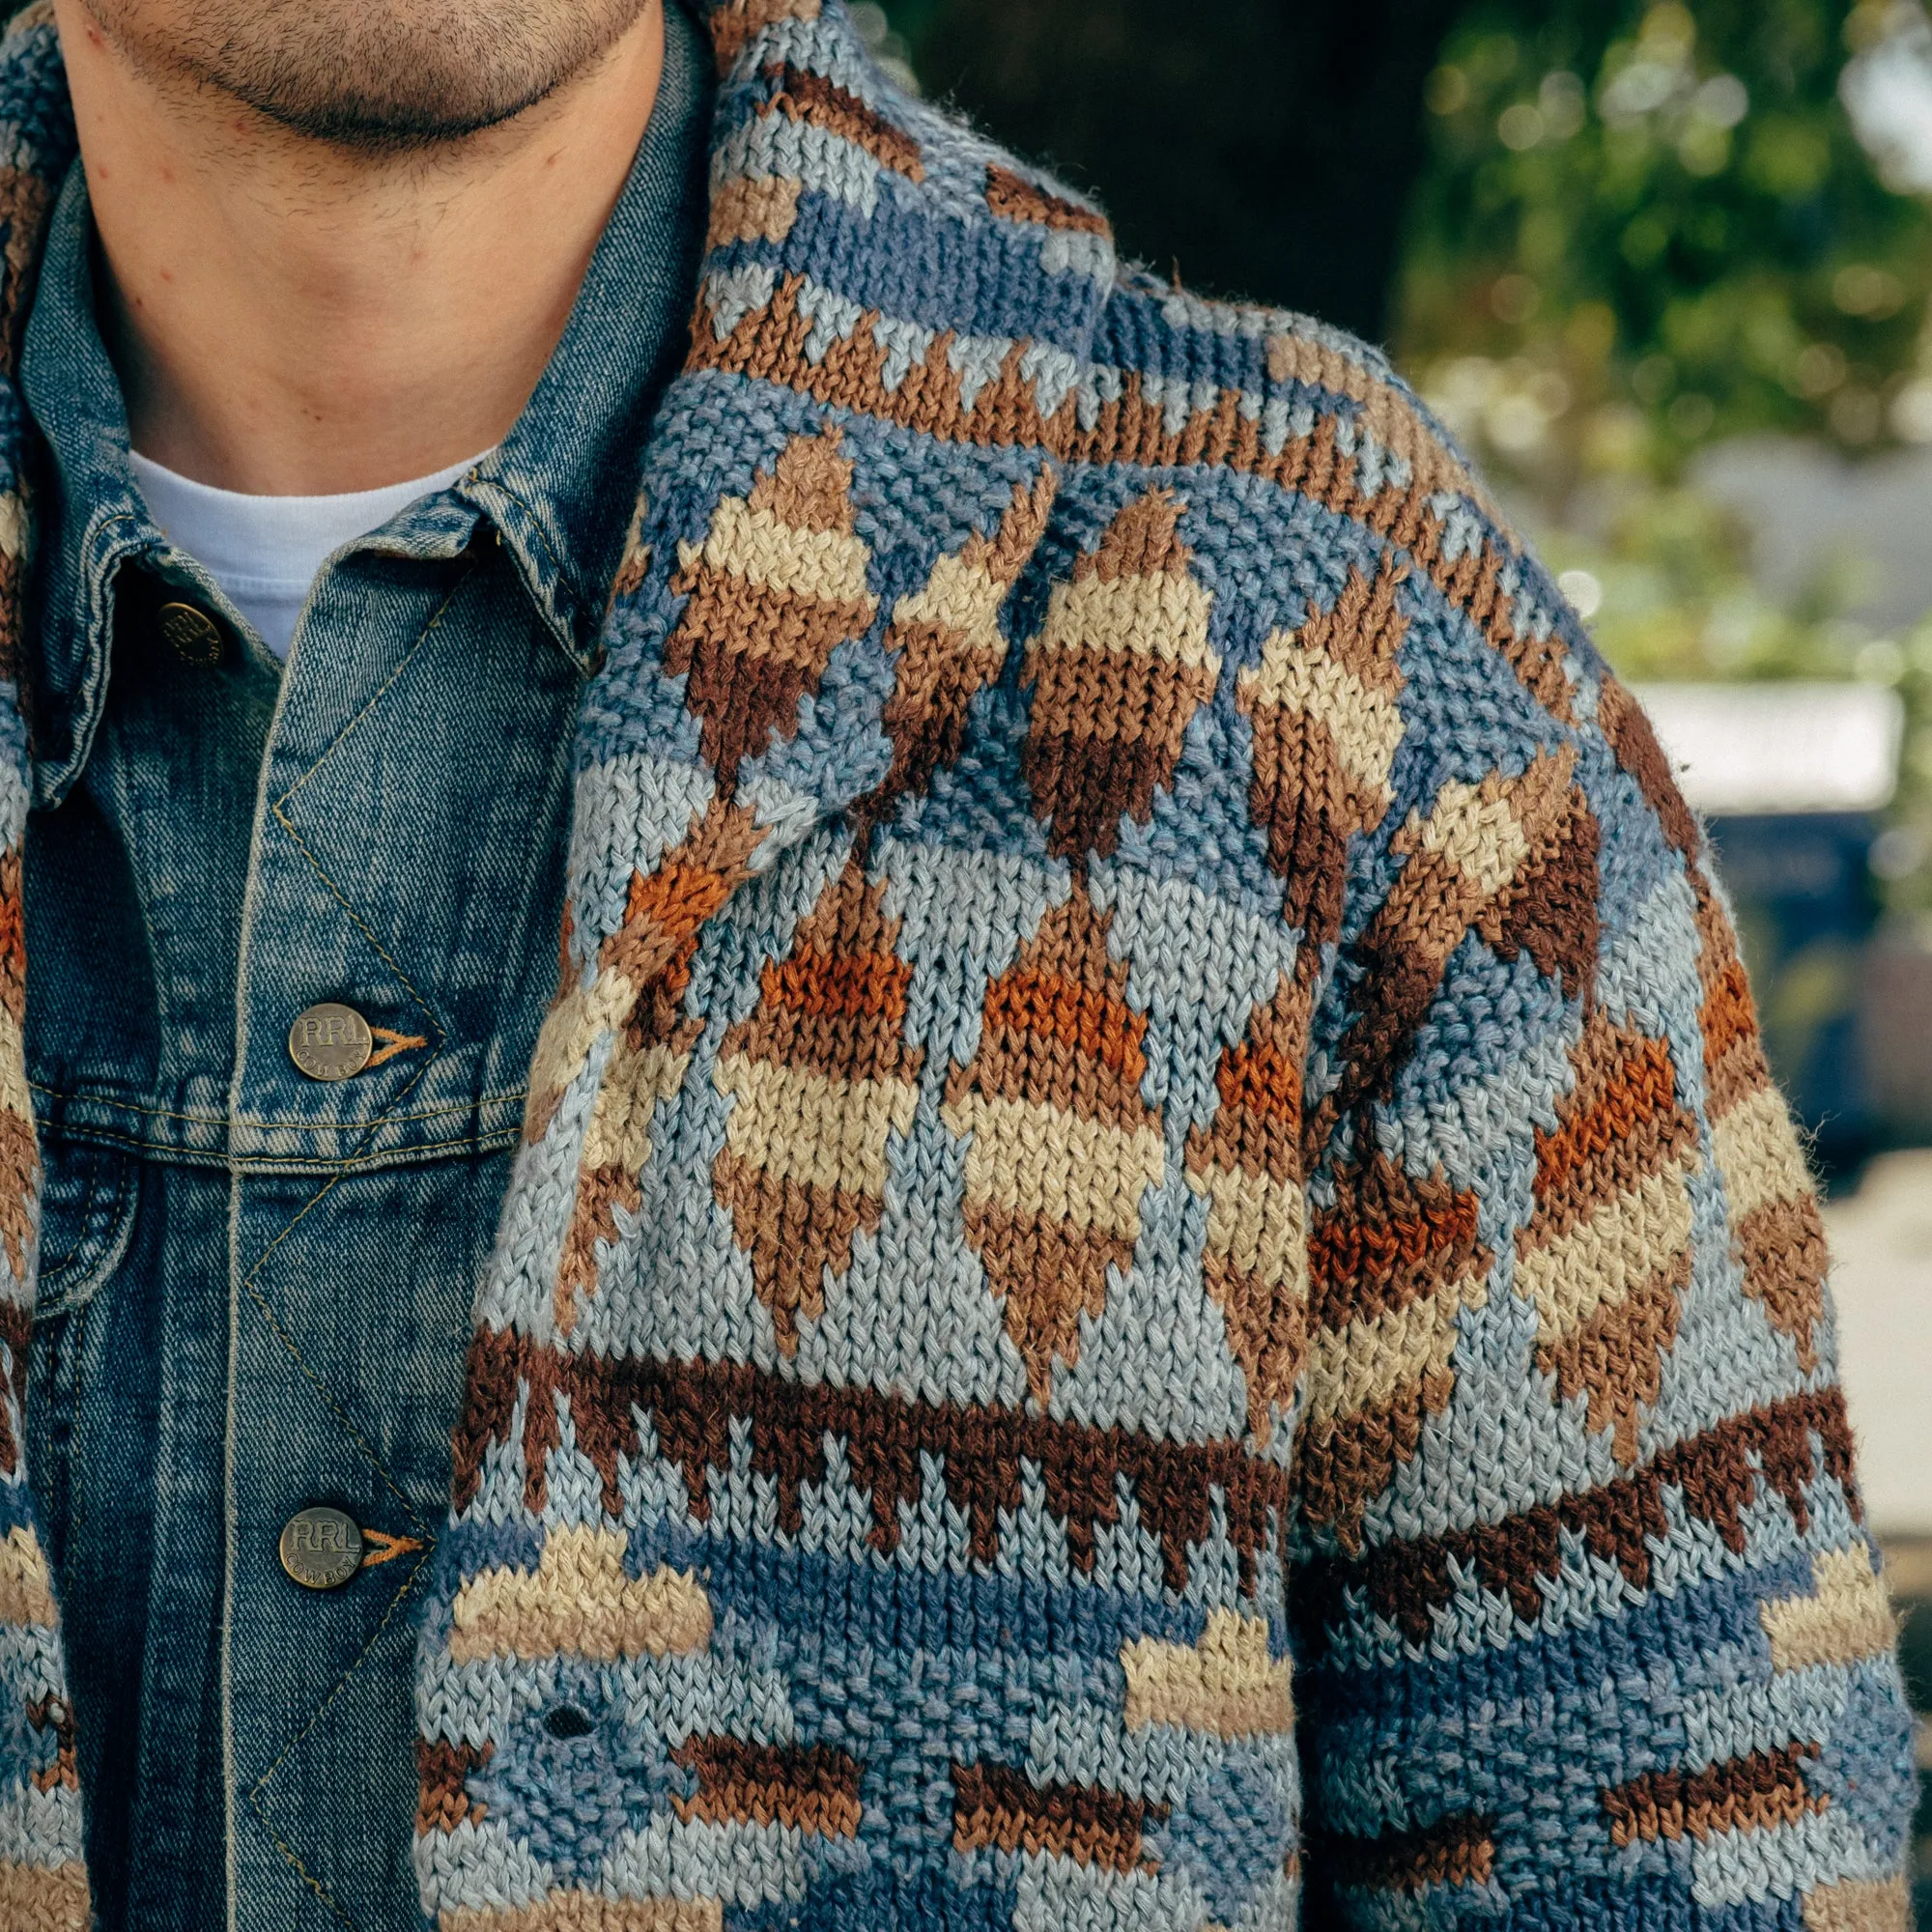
(94, 1222)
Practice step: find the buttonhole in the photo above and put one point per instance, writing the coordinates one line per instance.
(568, 1721)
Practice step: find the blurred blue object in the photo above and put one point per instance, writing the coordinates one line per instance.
(1806, 911)
(1792, 779)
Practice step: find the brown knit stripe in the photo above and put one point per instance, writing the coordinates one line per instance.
(1130, 429)
(1133, 430)
(1322, 702)
(1248, 1163)
(1349, 1457)
(1734, 1063)
(26, 200)
(948, 645)
(53, 1713)
(12, 602)
(744, 693)
(44, 1898)
(1735, 1066)
(1364, 630)
(793, 1231)
(1786, 1263)
(1017, 199)
(1385, 412)
(1388, 1240)
(442, 1771)
(805, 96)
(1478, 841)
(667, 908)
(836, 1002)
(1473, 582)
(1185, 1493)
(830, 1008)
(787, 634)
(1264, 1313)
(1620, 1123)
(1607, 1254)
(1318, 730)
(778, 582)
(1119, 670)
(768, 344)
(1047, 1272)
(1743, 1794)
(17, 1328)
(1637, 752)
(1550, 910)
(821, 1079)
(12, 939)
(20, 1180)
(752, 208)
(940, 671)
(1058, 1028)
(1773, 1449)
(1084, 781)
(1259, 1081)
(1614, 1354)
(1299, 792)
(1475, 860)
(1395, 1261)
(735, 24)
(996, 1808)
(643, 969)
(1061, 1145)
(1460, 1850)
(803, 1787)
(593, 1224)
(1094, 1039)
(1777, 1233)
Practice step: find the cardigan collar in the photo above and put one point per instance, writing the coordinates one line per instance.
(981, 291)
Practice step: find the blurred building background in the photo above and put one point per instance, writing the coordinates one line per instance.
(1665, 268)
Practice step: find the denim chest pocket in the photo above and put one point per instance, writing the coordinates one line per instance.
(87, 1218)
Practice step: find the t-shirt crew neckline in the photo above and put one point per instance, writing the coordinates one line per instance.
(264, 552)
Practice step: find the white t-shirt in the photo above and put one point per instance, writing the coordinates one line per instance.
(264, 552)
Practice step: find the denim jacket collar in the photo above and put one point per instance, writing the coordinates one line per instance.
(993, 307)
(554, 490)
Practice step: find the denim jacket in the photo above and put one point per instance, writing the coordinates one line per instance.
(263, 1279)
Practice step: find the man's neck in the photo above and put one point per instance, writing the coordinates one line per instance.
(289, 317)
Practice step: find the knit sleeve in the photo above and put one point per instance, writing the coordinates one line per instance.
(1590, 1627)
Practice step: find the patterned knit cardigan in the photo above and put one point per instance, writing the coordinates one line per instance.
(1154, 1265)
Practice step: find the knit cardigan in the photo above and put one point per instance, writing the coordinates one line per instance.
(1154, 1268)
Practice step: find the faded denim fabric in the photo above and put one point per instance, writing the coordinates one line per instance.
(263, 1279)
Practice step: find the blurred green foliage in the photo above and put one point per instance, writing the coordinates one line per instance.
(1644, 227)
(1650, 226)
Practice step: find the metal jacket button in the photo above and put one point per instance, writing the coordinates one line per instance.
(330, 1041)
(321, 1547)
(194, 635)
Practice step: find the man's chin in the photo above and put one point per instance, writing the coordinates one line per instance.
(409, 75)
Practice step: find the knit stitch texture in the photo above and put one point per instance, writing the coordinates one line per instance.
(1155, 1273)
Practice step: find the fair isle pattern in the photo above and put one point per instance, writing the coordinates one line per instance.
(43, 1878)
(1155, 1279)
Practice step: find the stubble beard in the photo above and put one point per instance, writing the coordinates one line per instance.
(374, 76)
